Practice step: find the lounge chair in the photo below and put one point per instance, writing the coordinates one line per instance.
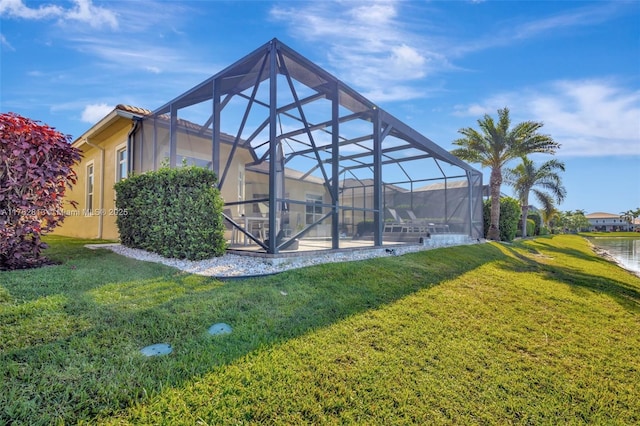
(400, 225)
(431, 227)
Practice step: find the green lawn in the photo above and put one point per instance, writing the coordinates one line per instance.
(536, 332)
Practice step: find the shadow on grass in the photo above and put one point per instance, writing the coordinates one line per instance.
(624, 294)
(583, 255)
(99, 369)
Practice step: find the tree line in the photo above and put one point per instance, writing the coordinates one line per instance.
(495, 144)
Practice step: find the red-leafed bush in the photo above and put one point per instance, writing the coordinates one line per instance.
(35, 171)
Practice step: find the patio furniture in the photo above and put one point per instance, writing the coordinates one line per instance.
(229, 226)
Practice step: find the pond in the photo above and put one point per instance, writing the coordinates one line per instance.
(625, 250)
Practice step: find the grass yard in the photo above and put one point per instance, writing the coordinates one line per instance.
(541, 331)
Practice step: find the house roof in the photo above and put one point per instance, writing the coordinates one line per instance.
(132, 112)
(443, 185)
(120, 111)
(133, 109)
(368, 183)
(602, 215)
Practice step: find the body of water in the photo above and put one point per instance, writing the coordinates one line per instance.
(625, 250)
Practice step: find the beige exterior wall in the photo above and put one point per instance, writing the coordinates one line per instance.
(100, 220)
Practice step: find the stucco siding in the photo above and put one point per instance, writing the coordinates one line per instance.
(99, 219)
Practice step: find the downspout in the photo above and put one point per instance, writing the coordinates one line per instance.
(101, 201)
(130, 153)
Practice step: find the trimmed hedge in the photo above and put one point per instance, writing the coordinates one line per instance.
(173, 212)
(510, 214)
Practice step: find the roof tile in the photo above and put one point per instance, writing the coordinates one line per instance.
(133, 109)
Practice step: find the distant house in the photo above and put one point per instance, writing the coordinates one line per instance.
(609, 222)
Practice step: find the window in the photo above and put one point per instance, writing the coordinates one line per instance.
(121, 164)
(313, 209)
(89, 205)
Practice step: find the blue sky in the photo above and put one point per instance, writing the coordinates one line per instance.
(437, 65)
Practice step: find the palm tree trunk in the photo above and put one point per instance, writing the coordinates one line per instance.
(494, 186)
(525, 212)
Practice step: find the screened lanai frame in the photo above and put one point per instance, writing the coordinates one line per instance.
(345, 173)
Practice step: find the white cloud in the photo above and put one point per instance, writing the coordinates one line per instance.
(380, 48)
(580, 17)
(17, 9)
(377, 13)
(95, 112)
(507, 33)
(145, 55)
(149, 23)
(5, 43)
(393, 93)
(407, 62)
(95, 16)
(368, 45)
(82, 11)
(588, 117)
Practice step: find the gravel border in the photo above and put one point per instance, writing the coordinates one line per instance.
(236, 266)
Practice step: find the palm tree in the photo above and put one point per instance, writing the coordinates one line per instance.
(630, 216)
(549, 215)
(544, 182)
(494, 146)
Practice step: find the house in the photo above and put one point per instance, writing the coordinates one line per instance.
(105, 161)
(298, 154)
(608, 222)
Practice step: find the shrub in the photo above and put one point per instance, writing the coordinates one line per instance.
(531, 227)
(510, 213)
(365, 227)
(35, 170)
(537, 222)
(173, 212)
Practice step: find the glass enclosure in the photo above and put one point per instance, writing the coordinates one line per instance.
(306, 163)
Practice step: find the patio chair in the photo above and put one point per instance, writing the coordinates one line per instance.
(229, 226)
(431, 227)
(397, 224)
(264, 209)
(255, 224)
(413, 217)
